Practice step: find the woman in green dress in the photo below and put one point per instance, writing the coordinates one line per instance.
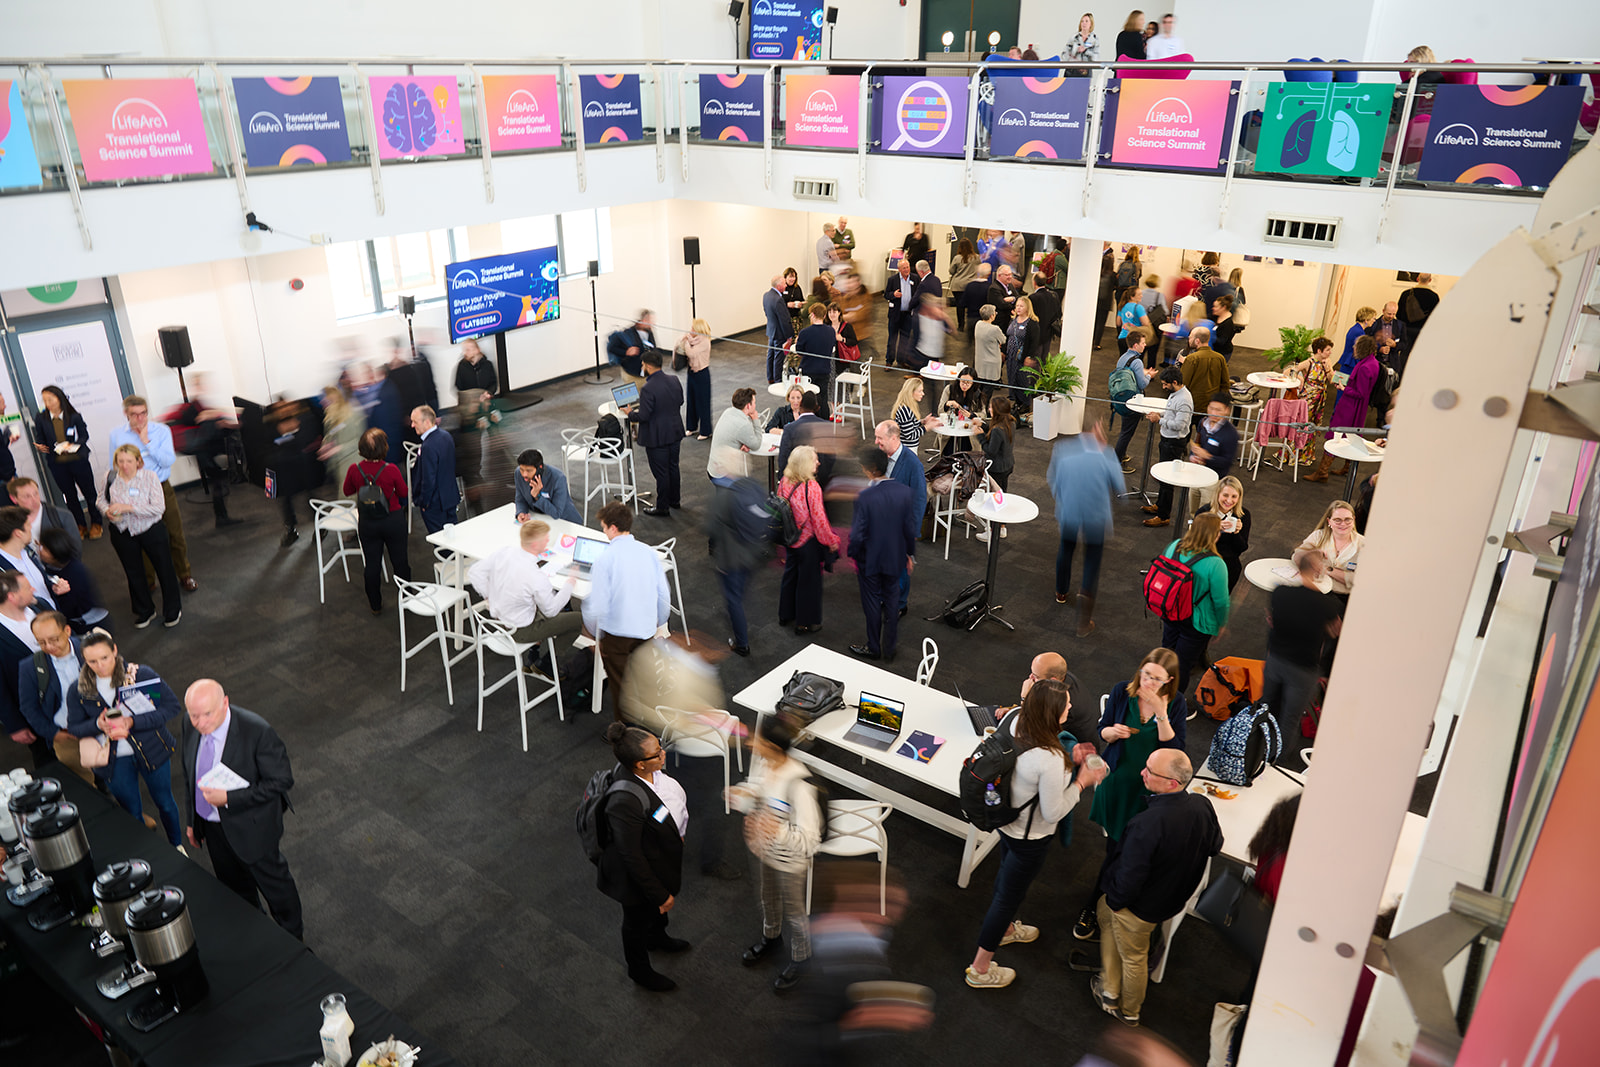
(1141, 715)
(1317, 390)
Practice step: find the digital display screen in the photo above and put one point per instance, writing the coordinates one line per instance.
(877, 710)
(785, 29)
(503, 292)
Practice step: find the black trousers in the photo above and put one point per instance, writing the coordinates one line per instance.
(800, 591)
(72, 478)
(268, 875)
(643, 926)
(664, 467)
(131, 550)
(387, 533)
(880, 602)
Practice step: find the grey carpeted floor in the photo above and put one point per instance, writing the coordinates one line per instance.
(438, 864)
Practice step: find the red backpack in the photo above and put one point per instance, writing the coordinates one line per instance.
(1169, 589)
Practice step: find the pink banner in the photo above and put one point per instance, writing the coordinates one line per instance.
(1163, 122)
(822, 110)
(418, 115)
(138, 128)
(521, 111)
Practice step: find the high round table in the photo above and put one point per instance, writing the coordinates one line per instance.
(1258, 572)
(1277, 383)
(781, 387)
(1353, 450)
(1016, 509)
(1147, 405)
(769, 449)
(947, 372)
(1181, 474)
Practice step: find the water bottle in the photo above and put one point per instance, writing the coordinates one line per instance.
(991, 799)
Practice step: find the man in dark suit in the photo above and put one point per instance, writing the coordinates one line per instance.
(807, 430)
(928, 283)
(1046, 307)
(905, 468)
(779, 326)
(433, 479)
(973, 297)
(1003, 293)
(883, 542)
(46, 710)
(901, 295)
(25, 492)
(242, 827)
(660, 431)
(626, 347)
(17, 646)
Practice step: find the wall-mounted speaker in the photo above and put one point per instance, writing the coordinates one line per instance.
(175, 349)
(691, 251)
(594, 268)
(735, 9)
(833, 13)
(408, 305)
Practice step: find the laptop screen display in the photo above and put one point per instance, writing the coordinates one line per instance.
(879, 711)
(625, 394)
(587, 550)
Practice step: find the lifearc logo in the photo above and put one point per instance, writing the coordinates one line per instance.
(1170, 109)
(137, 113)
(1456, 133)
(464, 278)
(761, 7)
(1012, 117)
(594, 110)
(712, 107)
(520, 102)
(821, 100)
(265, 122)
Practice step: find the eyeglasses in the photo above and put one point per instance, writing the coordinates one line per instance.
(1153, 774)
(1342, 522)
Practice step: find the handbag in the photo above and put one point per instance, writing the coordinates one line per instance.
(1239, 911)
(1241, 315)
(680, 358)
(93, 752)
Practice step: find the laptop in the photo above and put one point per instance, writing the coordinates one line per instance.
(877, 722)
(982, 717)
(625, 394)
(585, 550)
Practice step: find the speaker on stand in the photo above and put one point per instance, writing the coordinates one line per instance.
(597, 378)
(691, 257)
(177, 353)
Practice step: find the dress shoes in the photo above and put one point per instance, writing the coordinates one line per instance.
(189, 585)
(803, 630)
(659, 513)
(863, 651)
(903, 612)
(738, 650)
(655, 982)
(1149, 509)
(670, 944)
(787, 979)
(760, 950)
(1158, 521)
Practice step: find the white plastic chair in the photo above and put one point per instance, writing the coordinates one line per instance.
(704, 734)
(412, 452)
(852, 397)
(617, 474)
(1284, 449)
(496, 637)
(337, 517)
(431, 600)
(670, 561)
(855, 828)
(575, 444)
(930, 661)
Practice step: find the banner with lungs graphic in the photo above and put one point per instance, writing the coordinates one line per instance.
(1043, 117)
(138, 128)
(730, 107)
(612, 110)
(1500, 134)
(1171, 125)
(1333, 128)
(418, 115)
(822, 110)
(521, 111)
(292, 121)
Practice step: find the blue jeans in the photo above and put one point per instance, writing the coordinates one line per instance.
(1092, 551)
(124, 783)
(733, 585)
(1020, 863)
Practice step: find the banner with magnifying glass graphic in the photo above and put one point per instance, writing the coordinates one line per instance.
(923, 116)
(417, 115)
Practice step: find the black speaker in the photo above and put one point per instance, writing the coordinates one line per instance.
(833, 15)
(408, 305)
(735, 9)
(691, 251)
(594, 268)
(175, 350)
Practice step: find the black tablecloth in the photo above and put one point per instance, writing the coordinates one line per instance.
(263, 1009)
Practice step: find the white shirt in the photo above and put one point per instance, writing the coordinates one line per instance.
(38, 518)
(31, 571)
(67, 672)
(1164, 46)
(672, 795)
(108, 693)
(23, 629)
(517, 589)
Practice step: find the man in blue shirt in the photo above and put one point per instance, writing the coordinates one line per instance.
(542, 489)
(628, 600)
(154, 442)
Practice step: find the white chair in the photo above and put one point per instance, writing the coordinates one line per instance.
(617, 474)
(670, 562)
(445, 567)
(1284, 449)
(855, 828)
(497, 638)
(852, 397)
(412, 452)
(704, 734)
(930, 660)
(431, 600)
(1244, 417)
(337, 517)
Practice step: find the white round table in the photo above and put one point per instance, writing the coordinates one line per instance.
(1182, 474)
(1015, 509)
(1259, 572)
(1272, 380)
(947, 372)
(782, 387)
(1168, 328)
(962, 428)
(769, 450)
(1353, 450)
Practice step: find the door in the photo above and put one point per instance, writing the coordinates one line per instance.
(971, 21)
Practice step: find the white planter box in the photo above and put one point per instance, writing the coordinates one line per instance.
(1044, 417)
(1069, 414)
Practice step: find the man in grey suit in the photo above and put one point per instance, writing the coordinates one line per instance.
(779, 327)
(242, 827)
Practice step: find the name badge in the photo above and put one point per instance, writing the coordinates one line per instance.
(661, 814)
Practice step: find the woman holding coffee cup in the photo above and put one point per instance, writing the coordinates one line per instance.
(1235, 537)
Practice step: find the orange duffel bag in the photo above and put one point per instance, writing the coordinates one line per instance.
(1229, 685)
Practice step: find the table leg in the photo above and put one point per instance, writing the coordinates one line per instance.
(1144, 475)
(1350, 481)
(990, 611)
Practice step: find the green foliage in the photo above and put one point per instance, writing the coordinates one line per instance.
(1060, 374)
(1296, 347)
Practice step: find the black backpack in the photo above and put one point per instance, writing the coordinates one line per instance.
(965, 608)
(593, 832)
(609, 428)
(807, 696)
(783, 528)
(1128, 274)
(371, 503)
(988, 770)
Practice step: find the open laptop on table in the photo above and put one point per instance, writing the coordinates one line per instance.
(983, 718)
(877, 722)
(625, 394)
(585, 550)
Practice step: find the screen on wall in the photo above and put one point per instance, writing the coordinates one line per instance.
(785, 29)
(502, 292)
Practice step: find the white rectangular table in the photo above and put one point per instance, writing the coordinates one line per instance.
(930, 710)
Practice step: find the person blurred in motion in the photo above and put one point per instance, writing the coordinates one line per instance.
(294, 464)
(1130, 43)
(816, 545)
(735, 436)
(1125, 1046)
(1302, 618)
(628, 598)
(476, 377)
(433, 479)
(342, 426)
(59, 433)
(1044, 789)
(133, 504)
(541, 489)
(379, 533)
(627, 347)
(782, 829)
(641, 866)
(201, 429)
(737, 525)
(696, 346)
(77, 595)
(1083, 477)
(963, 272)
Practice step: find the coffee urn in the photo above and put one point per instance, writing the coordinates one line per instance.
(22, 803)
(114, 889)
(157, 922)
(60, 849)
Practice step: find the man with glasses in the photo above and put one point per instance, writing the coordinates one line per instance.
(154, 442)
(1151, 874)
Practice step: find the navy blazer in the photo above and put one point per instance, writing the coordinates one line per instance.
(817, 345)
(908, 471)
(929, 285)
(660, 421)
(779, 326)
(150, 737)
(44, 433)
(12, 654)
(884, 533)
(252, 815)
(40, 710)
(555, 500)
(433, 479)
(892, 293)
(617, 346)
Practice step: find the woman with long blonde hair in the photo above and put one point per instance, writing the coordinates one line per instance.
(1130, 42)
(1234, 540)
(800, 591)
(696, 345)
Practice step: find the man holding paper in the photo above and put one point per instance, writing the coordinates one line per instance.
(236, 782)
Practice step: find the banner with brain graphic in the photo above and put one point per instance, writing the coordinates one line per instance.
(417, 115)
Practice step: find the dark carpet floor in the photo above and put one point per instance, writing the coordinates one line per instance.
(438, 865)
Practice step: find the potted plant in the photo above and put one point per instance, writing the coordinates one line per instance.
(1296, 347)
(1060, 379)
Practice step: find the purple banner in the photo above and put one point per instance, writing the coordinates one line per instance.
(730, 107)
(1045, 117)
(925, 116)
(292, 121)
(1500, 134)
(611, 108)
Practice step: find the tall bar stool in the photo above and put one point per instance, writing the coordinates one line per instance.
(337, 517)
(670, 561)
(430, 600)
(412, 452)
(852, 397)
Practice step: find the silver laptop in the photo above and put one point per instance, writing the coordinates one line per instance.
(585, 551)
(877, 722)
(625, 394)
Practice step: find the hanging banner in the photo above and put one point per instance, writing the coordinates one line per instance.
(611, 108)
(418, 115)
(1333, 128)
(822, 110)
(1500, 134)
(521, 111)
(730, 107)
(290, 122)
(19, 166)
(78, 358)
(786, 29)
(927, 116)
(138, 128)
(1044, 117)
(1171, 125)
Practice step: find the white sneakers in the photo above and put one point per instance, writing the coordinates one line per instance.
(996, 977)
(1020, 934)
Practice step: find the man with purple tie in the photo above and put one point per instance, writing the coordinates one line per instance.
(239, 826)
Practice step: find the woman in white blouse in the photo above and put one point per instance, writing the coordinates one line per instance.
(1336, 538)
(133, 503)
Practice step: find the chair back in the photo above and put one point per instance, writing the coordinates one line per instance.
(1307, 75)
(1134, 71)
(1276, 417)
(1346, 76)
(335, 513)
(1466, 77)
(493, 634)
(930, 661)
(413, 450)
(605, 449)
(856, 828)
(690, 734)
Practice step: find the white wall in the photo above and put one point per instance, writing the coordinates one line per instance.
(1268, 30)
(876, 30)
(1486, 30)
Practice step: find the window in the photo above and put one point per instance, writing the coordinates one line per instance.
(585, 235)
(536, 231)
(369, 277)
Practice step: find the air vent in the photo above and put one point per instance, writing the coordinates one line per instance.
(1302, 230)
(816, 189)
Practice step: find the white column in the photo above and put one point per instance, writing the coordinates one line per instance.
(1077, 314)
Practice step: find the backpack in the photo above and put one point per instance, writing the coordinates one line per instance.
(1158, 317)
(591, 825)
(965, 608)
(988, 770)
(1169, 589)
(609, 428)
(782, 526)
(1245, 744)
(371, 502)
(807, 696)
(1227, 687)
(1124, 386)
(1128, 274)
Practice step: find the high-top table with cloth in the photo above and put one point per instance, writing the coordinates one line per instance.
(266, 988)
(1147, 405)
(941, 372)
(1182, 474)
(927, 709)
(1354, 451)
(1015, 509)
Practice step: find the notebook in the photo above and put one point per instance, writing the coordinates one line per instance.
(920, 746)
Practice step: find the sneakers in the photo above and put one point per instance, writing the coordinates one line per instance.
(1087, 928)
(1020, 934)
(1129, 468)
(1108, 1003)
(170, 623)
(996, 977)
(139, 624)
(983, 535)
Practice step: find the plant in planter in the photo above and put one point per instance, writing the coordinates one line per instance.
(1060, 379)
(1296, 347)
